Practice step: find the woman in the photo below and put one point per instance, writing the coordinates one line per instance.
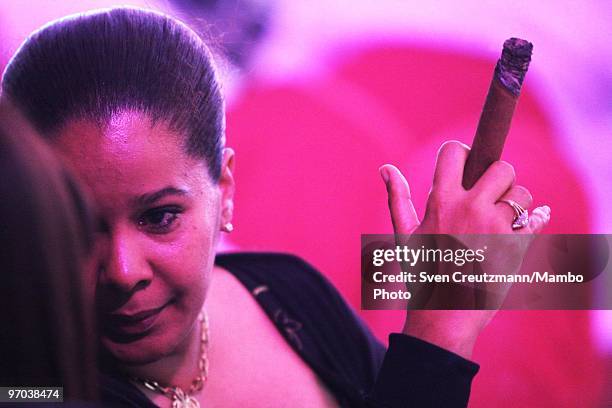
(46, 236)
(130, 100)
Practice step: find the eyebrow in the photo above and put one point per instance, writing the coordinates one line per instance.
(150, 198)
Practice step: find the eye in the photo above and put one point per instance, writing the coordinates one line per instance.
(159, 220)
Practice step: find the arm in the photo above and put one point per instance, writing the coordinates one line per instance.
(453, 210)
(416, 373)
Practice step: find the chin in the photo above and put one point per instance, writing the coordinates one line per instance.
(139, 350)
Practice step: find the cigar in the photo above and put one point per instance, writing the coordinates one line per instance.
(498, 109)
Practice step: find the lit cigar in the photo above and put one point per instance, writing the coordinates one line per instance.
(498, 109)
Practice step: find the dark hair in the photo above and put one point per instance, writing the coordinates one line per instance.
(91, 66)
(46, 231)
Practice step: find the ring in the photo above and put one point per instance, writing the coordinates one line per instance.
(521, 215)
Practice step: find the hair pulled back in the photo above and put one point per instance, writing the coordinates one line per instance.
(95, 65)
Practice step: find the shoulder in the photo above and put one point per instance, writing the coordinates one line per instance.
(307, 295)
(287, 271)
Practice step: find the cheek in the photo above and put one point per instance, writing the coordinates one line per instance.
(185, 262)
(91, 267)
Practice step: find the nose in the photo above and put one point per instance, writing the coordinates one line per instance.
(124, 266)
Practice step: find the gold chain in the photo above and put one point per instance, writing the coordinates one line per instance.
(179, 397)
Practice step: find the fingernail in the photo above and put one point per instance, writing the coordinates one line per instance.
(546, 208)
(384, 173)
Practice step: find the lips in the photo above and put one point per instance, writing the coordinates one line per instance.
(132, 324)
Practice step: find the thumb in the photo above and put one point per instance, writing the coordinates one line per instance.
(403, 215)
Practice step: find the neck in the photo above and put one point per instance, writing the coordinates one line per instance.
(178, 369)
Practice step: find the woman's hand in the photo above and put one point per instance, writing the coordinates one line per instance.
(453, 210)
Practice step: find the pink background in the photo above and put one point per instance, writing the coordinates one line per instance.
(337, 89)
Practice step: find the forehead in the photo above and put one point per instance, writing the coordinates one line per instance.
(121, 137)
(128, 155)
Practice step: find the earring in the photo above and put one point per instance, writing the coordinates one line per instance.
(228, 227)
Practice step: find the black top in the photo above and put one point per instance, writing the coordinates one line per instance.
(323, 330)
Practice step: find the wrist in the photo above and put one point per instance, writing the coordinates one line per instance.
(455, 331)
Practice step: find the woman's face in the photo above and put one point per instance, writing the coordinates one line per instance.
(162, 215)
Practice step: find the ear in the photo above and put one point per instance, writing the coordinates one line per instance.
(227, 186)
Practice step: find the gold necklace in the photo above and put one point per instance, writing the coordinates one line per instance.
(180, 398)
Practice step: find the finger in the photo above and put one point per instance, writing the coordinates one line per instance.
(520, 195)
(494, 183)
(403, 215)
(538, 219)
(449, 165)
